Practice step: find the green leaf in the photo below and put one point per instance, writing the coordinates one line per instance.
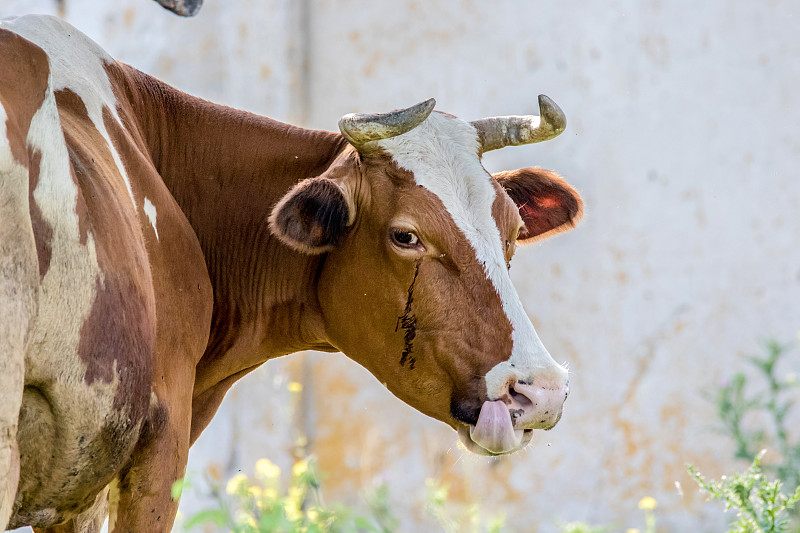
(177, 488)
(215, 516)
(363, 524)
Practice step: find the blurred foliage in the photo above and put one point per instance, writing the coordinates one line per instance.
(646, 504)
(736, 403)
(761, 505)
(260, 504)
(580, 527)
(457, 518)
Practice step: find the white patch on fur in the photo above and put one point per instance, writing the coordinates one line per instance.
(75, 411)
(150, 211)
(76, 63)
(19, 273)
(442, 153)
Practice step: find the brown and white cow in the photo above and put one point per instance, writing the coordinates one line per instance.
(157, 247)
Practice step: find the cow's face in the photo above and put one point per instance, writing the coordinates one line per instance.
(415, 286)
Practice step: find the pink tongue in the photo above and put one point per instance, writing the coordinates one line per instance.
(494, 432)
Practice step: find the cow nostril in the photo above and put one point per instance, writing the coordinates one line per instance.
(520, 399)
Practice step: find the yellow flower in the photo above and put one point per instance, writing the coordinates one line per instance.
(437, 491)
(647, 503)
(632, 530)
(235, 483)
(270, 494)
(244, 518)
(255, 492)
(292, 514)
(300, 468)
(267, 469)
(296, 495)
(292, 508)
(294, 386)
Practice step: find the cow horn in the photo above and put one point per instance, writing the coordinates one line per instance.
(184, 8)
(360, 128)
(498, 132)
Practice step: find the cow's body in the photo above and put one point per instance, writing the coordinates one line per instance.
(104, 281)
(140, 278)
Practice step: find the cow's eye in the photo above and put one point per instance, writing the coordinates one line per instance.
(405, 239)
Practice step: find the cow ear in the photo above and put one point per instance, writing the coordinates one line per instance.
(312, 217)
(547, 204)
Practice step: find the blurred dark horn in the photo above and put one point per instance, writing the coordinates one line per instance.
(184, 8)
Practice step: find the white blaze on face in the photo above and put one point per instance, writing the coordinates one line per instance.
(442, 153)
(76, 63)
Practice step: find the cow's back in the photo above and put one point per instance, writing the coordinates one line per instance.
(104, 279)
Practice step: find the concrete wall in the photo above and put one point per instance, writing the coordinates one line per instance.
(683, 139)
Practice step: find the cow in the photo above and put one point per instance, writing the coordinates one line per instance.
(156, 247)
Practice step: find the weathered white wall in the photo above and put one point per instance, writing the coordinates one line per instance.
(683, 139)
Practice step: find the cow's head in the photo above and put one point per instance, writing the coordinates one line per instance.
(415, 285)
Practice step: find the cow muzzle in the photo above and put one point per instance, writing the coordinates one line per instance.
(506, 425)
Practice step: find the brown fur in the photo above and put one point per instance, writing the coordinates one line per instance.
(42, 231)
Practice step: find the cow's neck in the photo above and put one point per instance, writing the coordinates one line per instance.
(227, 169)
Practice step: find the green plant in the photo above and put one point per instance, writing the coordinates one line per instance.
(646, 504)
(378, 502)
(260, 505)
(581, 527)
(761, 505)
(454, 517)
(735, 402)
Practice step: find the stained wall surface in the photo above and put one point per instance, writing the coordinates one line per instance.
(683, 140)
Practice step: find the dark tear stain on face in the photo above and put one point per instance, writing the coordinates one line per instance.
(408, 322)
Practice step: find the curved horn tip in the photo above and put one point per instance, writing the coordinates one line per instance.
(430, 103)
(551, 113)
